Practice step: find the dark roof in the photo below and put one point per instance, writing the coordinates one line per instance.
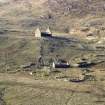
(45, 34)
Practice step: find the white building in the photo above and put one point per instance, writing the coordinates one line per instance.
(37, 33)
(48, 31)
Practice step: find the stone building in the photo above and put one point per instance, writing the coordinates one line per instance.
(39, 34)
(61, 64)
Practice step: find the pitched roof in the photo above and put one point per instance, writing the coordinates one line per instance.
(48, 31)
(37, 33)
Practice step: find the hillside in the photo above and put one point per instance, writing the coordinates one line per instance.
(24, 15)
(30, 13)
(28, 71)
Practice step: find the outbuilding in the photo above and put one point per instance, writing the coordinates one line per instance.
(61, 64)
(39, 34)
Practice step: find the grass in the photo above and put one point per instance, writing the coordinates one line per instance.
(38, 13)
(18, 95)
(25, 94)
(16, 52)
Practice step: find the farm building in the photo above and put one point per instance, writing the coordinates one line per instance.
(39, 34)
(61, 64)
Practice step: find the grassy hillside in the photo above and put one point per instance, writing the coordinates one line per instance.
(15, 52)
(19, 48)
(29, 95)
(60, 15)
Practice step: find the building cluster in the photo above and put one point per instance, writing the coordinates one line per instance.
(61, 63)
(39, 34)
